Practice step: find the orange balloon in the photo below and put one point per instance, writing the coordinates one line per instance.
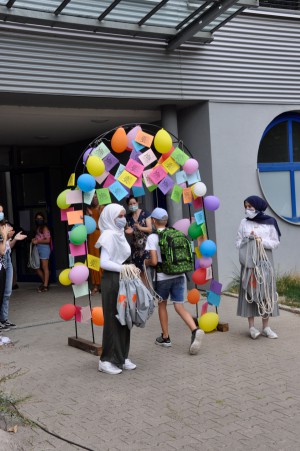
(119, 140)
(193, 296)
(97, 316)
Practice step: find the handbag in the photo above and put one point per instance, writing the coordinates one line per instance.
(247, 252)
(34, 258)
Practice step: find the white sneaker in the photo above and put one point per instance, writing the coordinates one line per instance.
(254, 333)
(196, 341)
(109, 368)
(128, 365)
(267, 332)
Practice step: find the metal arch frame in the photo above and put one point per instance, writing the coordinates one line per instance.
(192, 32)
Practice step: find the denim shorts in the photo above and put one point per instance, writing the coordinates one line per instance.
(44, 251)
(173, 288)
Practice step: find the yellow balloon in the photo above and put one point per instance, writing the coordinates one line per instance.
(64, 277)
(61, 200)
(162, 141)
(208, 321)
(95, 166)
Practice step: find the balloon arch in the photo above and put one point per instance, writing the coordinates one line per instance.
(134, 159)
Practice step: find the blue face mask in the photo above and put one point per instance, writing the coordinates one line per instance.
(120, 223)
(1, 215)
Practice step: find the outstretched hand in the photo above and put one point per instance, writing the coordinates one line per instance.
(19, 236)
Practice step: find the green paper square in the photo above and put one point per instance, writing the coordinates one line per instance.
(103, 196)
(152, 188)
(179, 156)
(176, 193)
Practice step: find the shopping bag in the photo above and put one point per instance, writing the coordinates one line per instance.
(34, 258)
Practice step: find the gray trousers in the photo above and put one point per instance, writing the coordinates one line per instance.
(116, 338)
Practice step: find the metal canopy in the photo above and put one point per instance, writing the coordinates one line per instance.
(174, 21)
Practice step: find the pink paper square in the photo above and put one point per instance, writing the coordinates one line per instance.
(198, 203)
(139, 181)
(77, 249)
(74, 196)
(63, 213)
(157, 174)
(109, 181)
(134, 168)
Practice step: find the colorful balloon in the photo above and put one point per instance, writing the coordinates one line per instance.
(97, 316)
(64, 277)
(208, 248)
(199, 189)
(131, 136)
(211, 202)
(61, 200)
(190, 166)
(199, 276)
(195, 230)
(95, 166)
(86, 182)
(182, 225)
(193, 296)
(119, 140)
(162, 141)
(205, 262)
(78, 235)
(67, 311)
(79, 274)
(208, 322)
(90, 224)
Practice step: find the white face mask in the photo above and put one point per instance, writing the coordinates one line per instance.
(133, 208)
(120, 222)
(250, 213)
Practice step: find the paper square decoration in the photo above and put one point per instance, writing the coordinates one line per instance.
(198, 202)
(71, 181)
(127, 179)
(118, 190)
(176, 193)
(139, 181)
(100, 178)
(170, 165)
(119, 171)
(134, 167)
(215, 286)
(152, 188)
(75, 217)
(77, 250)
(199, 216)
(193, 178)
(213, 298)
(144, 138)
(101, 151)
(93, 262)
(187, 195)
(135, 155)
(179, 156)
(180, 177)
(109, 181)
(103, 196)
(74, 196)
(166, 184)
(147, 157)
(137, 146)
(138, 191)
(157, 174)
(148, 182)
(81, 290)
(88, 197)
(110, 161)
(63, 213)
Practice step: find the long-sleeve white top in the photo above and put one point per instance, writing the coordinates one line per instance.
(266, 232)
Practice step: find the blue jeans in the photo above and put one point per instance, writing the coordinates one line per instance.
(172, 287)
(7, 289)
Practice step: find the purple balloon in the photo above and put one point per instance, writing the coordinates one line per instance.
(211, 202)
(86, 154)
(205, 262)
(79, 274)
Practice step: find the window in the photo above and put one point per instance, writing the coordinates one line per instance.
(279, 166)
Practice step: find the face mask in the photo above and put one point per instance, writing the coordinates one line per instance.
(250, 213)
(133, 208)
(39, 222)
(120, 223)
(1, 215)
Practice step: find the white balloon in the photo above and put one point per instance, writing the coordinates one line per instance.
(199, 189)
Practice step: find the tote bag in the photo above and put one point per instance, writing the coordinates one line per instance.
(34, 258)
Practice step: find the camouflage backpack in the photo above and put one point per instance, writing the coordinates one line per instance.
(176, 252)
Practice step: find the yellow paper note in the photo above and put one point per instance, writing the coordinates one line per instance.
(71, 181)
(127, 179)
(170, 165)
(197, 252)
(93, 262)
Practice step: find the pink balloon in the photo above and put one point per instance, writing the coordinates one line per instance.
(131, 135)
(205, 262)
(79, 274)
(182, 225)
(190, 166)
(204, 308)
(86, 154)
(211, 202)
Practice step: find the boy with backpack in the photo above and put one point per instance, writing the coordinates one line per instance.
(171, 255)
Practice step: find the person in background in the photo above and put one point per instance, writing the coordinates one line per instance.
(138, 228)
(12, 238)
(259, 226)
(94, 211)
(169, 285)
(3, 240)
(115, 250)
(43, 241)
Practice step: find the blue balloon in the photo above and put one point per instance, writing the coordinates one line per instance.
(208, 248)
(86, 182)
(90, 224)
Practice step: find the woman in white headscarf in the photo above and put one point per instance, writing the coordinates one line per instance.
(115, 250)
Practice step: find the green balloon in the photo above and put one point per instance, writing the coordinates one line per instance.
(78, 235)
(195, 230)
(61, 200)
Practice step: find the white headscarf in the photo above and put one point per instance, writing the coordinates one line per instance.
(112, 238)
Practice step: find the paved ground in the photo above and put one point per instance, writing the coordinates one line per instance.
(237, 394)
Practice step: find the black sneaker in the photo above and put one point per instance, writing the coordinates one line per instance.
(161, 341)
(4, 328)
(197, 336)
(8, 324)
